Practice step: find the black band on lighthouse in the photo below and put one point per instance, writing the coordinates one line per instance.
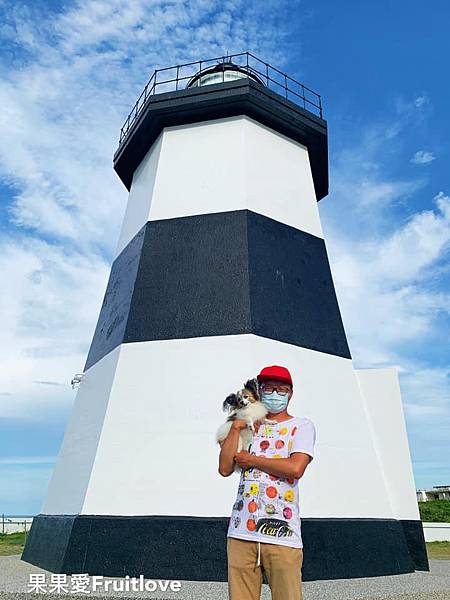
(155, 546)
(227, 273)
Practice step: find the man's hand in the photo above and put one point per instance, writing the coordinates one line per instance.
(244, 459)
(239, 424)
(257, 425)
(228, 448)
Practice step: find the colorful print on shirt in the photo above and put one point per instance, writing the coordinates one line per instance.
(266, 507)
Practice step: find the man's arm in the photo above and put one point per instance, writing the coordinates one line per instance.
(292, 467)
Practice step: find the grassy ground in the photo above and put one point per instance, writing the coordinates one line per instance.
(13, 543)
(438, 550)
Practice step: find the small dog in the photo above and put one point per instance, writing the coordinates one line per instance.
(246, 405)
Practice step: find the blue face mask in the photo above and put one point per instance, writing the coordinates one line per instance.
(275, 402)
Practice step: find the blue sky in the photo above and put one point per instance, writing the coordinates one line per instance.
(70, 73)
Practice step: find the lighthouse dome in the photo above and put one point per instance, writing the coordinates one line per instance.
(221, 73)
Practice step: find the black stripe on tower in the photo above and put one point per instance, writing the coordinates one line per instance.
(216, 274)
(155, 546)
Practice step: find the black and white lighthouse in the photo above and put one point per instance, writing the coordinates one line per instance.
(222, 268)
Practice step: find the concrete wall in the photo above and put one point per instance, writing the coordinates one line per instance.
(436, 532)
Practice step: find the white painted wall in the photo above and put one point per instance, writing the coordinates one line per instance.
(140, 196)
(380, 390)
(67, 488)
(223, 165)
(156, 453)
(436, 532)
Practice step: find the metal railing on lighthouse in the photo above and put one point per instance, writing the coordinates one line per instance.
(171, 79)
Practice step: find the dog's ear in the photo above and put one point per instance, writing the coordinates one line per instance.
(230, 402)
(253, 387)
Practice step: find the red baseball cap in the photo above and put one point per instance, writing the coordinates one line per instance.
(275, 372)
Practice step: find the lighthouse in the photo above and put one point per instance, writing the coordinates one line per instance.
(221, 267)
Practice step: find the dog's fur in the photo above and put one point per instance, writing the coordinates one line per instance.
(247, 406)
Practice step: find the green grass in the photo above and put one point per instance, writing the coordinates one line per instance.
(435, 511)
(12, 543)
(439, 550)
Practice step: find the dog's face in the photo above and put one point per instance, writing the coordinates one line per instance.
(251, 388)
(242, 398)
(235, 401)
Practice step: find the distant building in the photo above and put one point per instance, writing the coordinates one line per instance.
(438, 492)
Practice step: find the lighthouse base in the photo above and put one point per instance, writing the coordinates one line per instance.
(194, 548)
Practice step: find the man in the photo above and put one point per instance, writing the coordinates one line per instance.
(265, 529)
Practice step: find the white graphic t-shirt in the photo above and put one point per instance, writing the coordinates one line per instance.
(266, 507)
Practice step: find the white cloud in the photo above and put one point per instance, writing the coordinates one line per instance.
(421, 101)
(363, 176)
(423, 157)
(386, 283)
(391, 269)
(48, 317)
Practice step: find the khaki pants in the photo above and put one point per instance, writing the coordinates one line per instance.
(282, 565)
